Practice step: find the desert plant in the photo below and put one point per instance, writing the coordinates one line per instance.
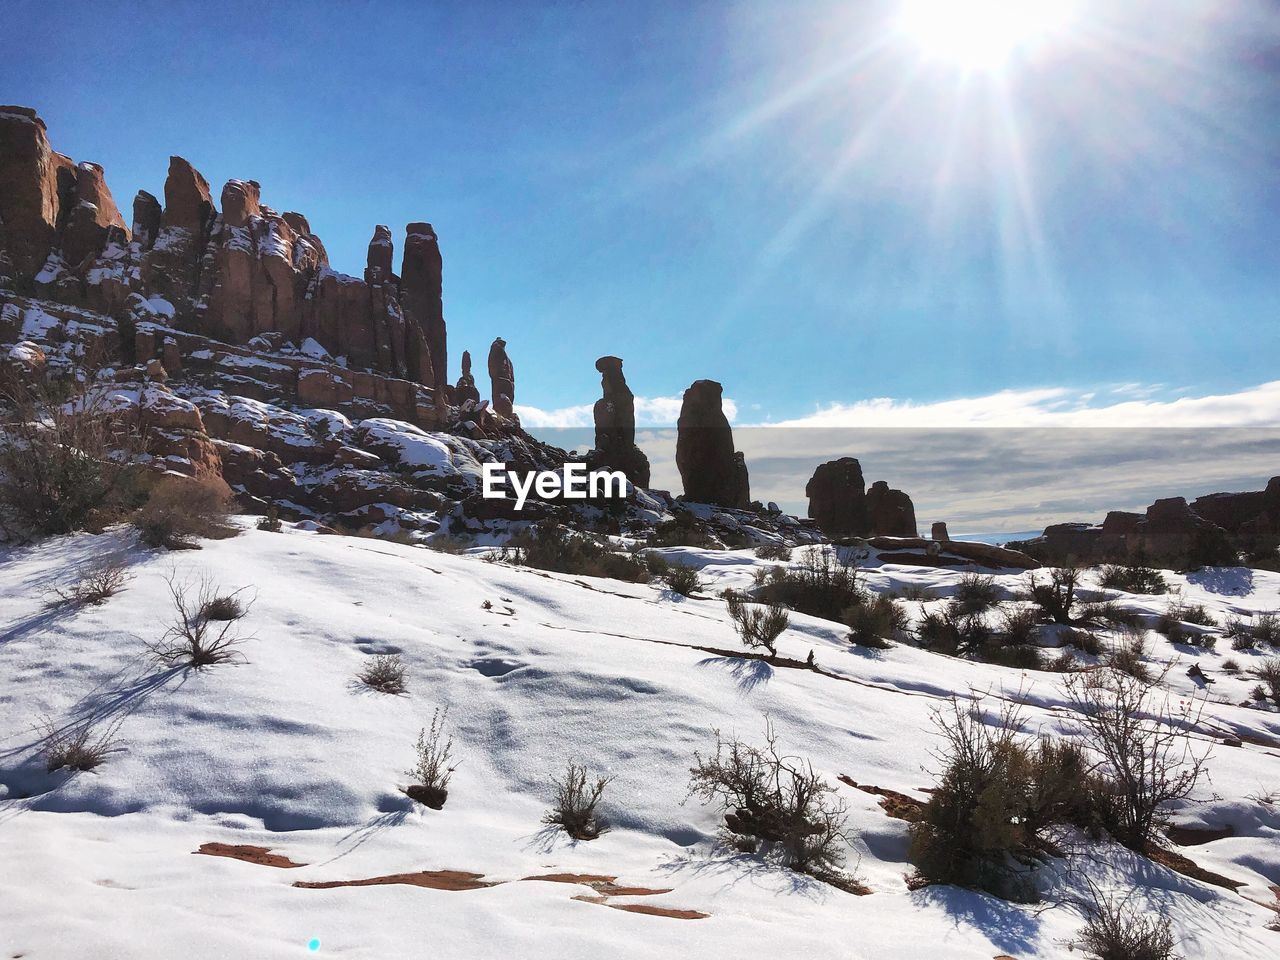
(433, 767)
(757, 626)
(1146, 761)
(973, 825)
(824, 583)
(1128, 656)
(1107, 613)
(684, 529)
(102, 579)
(66, 460)
(773, 551)
(875, 622)
(193, 640)
(1018, 627)
(1269, 673)
(80, 746)
(769, 797)
(918, 592)
(1114, 930)
(952, 631)
(682, 579)
(1265, 629)
(1132, 578)
(226, 606)
(1057, 597)
(574, 808)
(181, 511)
(385, 673)
(549, 546)
(270, 521)
(976, 593)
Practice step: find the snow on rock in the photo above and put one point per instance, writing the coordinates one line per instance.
(312, 348)
(432, 453)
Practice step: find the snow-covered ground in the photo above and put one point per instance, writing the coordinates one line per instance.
(286, 752)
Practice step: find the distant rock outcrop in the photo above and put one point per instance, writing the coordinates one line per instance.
(890, 512)
(939, 532)
(502, 377)
(233, 276)
(466, 389)
(615, 417)
(837, 498)
(421, 284)
(710, 469)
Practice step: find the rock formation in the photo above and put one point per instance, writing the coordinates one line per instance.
(234, 276)
(939, 532)
(421, 297)
(502, 376)
(615, 417)
(710, 469)
(466, 389)
(837, 498)
(890, 512)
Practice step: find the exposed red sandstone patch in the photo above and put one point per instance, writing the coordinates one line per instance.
(1194, 836)
(647, 909)
(1188, 868)
(895, 804)
(247, 853)
(432, 879)
(605, 885)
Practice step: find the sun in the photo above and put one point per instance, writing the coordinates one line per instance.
(982, 35)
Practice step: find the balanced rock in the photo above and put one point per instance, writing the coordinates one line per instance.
(466, 389)
(710, 469)
(890, 512)
(837, 498)
(502, 376)
(615, 417)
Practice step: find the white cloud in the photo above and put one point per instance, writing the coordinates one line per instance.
(1126, 405)
(650, 412)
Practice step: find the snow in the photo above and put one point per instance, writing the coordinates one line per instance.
(415, 447)
(286, 752)
(312, 348)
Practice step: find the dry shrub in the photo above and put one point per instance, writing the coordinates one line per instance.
(1269, 673)
(80, 746)
(574, 809)
(773, 551)
(549, 546)
(681, 579)
(1128, 656)
(1136, 578)
(434, 767)
(1265, 629)
(996, 793)
(778, 800)
(182, 510)
(976, 593)
(194, 640)
(918, 592)
(757, 626)
(270, 521)
(384, 673)
(1057, 597)
(1145, 760)
(102, 579)
(823, 584)
(875, 622)
(1107, 613)
(953, 631)
(226, 606)
(1114, 930)
(65, 459)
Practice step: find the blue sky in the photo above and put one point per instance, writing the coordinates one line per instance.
(790, 198)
